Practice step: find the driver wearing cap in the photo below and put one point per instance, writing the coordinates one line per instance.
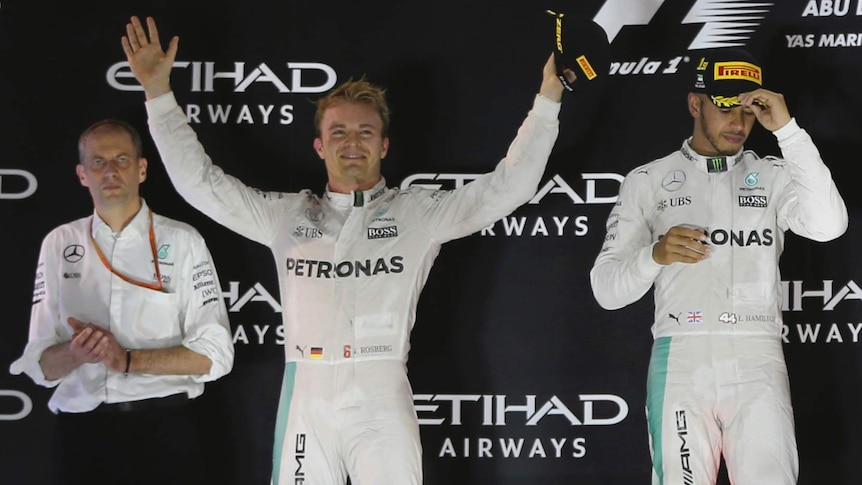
(704, 227)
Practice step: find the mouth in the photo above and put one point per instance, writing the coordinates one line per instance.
(353, 156)
(734, 138)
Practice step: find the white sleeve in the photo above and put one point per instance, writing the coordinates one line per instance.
(624, 270)
(44, 316)
(225, 199)
(206, 328)
(812, 206)
(451, 214)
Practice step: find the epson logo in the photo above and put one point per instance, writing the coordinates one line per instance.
(16, 184)
(752, 201)
(204, 77)
(493, 410)
(202, 274)
(382, 232)
(599, 188)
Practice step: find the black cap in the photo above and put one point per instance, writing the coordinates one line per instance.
(722, 74)
(581, 47)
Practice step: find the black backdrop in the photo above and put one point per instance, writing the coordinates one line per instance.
(518, 375)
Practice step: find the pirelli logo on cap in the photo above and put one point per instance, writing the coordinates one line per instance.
(745, 71)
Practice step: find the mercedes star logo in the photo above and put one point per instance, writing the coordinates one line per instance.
(673, 181)
(73, 253)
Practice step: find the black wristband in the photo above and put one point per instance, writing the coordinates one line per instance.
(128, 362)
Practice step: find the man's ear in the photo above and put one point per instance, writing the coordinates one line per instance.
(79, 169)
(318, 147)
(694, 104)
(142, 169)
(385, 148)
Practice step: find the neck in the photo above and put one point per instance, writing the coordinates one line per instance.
(118, 217)
(346, 187)
(699, 147)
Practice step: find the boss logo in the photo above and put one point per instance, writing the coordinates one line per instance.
(752, 201)
(11, 186)
(382, 232)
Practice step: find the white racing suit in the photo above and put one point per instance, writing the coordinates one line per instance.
(717, 378)
(351, 268)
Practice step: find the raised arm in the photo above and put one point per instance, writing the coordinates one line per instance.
(478, 204)
(813, 207)
(225, 199)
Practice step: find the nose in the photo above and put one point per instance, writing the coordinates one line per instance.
(737, 118)
(112, 166)
(352, 138)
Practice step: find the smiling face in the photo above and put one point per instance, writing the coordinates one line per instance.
(111, 168)
(352, 144)
(718, 131)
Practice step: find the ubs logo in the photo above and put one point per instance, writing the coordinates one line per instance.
(14, 189)
(674, 202)
(73, 253)
(307, 232)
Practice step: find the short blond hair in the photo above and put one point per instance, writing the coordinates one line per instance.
(360, 91)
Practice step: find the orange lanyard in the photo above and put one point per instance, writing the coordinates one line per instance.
(157, 286)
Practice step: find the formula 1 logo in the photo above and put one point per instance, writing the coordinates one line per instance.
(726, 23)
